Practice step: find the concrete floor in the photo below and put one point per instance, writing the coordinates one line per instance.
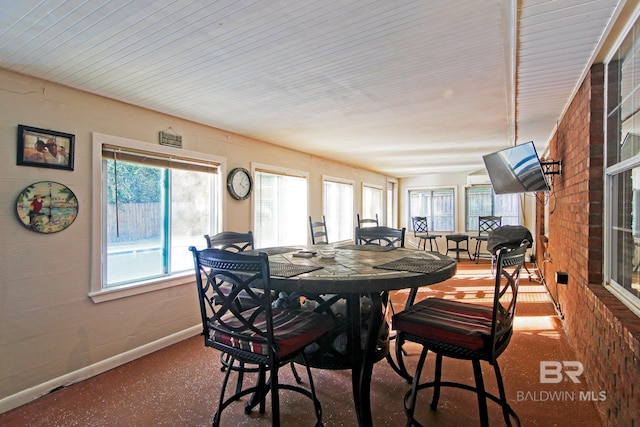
(178, 386)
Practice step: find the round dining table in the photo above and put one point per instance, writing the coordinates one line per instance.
(353, 285)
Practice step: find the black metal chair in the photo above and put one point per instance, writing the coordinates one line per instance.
(367, 222)
(318, 231)
(466, 331)
(231, 241)
(509, 236)
(385, 236)
(262, 335)
(421, 231)
(381, 236)
(234, 241)
(485, 225)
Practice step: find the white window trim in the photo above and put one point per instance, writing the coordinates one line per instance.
(456, 203)
(521, 206)
(97, 293)
(354, 201)
(394, 208)
(277, 170)
(375, 186)
(338, 180)
(382, 215)
(263, 167)
(329, 178)
(618, 291)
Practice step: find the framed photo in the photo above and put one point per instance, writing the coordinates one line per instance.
(45, 148)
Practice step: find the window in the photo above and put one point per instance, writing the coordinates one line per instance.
(338, 210)
(152, 206)
(622, 185)
(436, 205)
(371, 202)
(481, 201)
(392, 206)
(281, 208)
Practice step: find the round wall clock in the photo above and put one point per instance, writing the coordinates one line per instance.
(47, 207)
(239, 183)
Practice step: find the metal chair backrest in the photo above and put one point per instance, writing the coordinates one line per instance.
(381, 236)
(488, 223)
(508, 266)
(367, 222)
(231, 241)
(318, 231)
(420, 224)
(222, 315)
(508, 236)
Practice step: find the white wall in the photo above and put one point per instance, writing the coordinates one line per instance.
(51, 332)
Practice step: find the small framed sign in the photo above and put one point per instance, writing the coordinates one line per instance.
(45, 148)
(170, 138)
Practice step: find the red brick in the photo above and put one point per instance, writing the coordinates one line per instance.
(604, 332)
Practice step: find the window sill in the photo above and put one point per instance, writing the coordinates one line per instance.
(624, 297)
(138, 288)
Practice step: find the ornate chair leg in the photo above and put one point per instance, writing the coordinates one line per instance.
(295, 373)
(240, 378)
(275, 398)
(413, 393)
(436, 382)
(225, 381)
(398, 365)
(503, 396)
(482, 398)
(312, 389)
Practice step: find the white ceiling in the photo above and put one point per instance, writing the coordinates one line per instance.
(403, 87)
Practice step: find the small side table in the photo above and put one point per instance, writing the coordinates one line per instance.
(457, 239)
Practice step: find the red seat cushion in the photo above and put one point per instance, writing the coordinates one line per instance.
(456, 323)
(293, 330)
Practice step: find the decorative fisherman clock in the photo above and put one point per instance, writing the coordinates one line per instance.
(47, 207)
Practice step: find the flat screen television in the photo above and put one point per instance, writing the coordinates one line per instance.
(516, 170)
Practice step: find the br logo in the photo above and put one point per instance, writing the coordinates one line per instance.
(554, 372)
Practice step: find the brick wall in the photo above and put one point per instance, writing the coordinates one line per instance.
(604, 333)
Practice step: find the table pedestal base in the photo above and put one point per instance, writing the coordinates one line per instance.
(360, 339)
(457, 239)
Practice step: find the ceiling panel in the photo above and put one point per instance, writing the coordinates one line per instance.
(401, 87)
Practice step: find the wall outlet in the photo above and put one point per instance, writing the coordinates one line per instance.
(562, 278)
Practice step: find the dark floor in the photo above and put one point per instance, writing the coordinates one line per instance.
(178, 386)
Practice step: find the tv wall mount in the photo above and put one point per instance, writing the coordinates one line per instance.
(551, 167)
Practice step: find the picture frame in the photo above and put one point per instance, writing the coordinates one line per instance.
(45, 148)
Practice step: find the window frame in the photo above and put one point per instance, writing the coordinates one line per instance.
(276, 170)
(616, 166)
(99, 294)
(391, 203)
(381, 210)
(454, 195)
(629, 300)
(350, 216)
(493, 207)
